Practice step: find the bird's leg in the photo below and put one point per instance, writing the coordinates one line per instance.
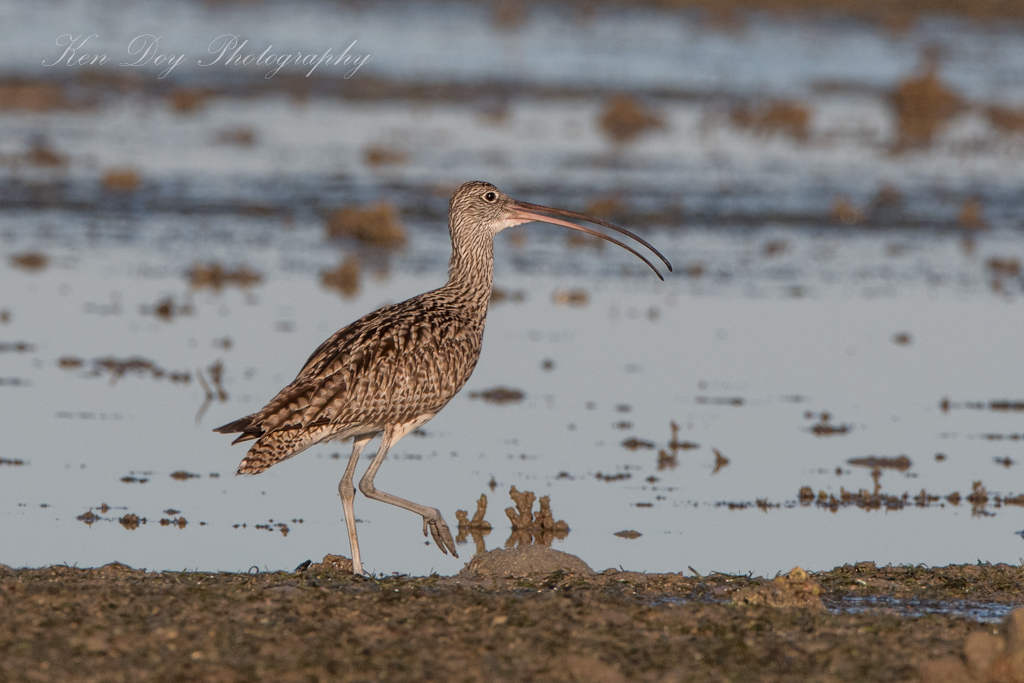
(432, 518)
(348, 494)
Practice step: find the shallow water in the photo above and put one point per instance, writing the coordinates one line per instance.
(986, 613)
(906, 332)
(738, 358)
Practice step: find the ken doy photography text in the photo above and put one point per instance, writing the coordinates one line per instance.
(226, 50)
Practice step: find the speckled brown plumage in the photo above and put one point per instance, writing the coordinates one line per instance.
(394, 369)
(395, 365)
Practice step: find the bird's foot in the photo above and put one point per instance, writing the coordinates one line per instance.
(440, 532)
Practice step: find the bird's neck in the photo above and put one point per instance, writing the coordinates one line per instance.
(471, 268)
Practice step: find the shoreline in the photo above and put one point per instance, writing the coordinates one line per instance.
(856, 622)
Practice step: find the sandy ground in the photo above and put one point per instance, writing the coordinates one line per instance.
(119, 624)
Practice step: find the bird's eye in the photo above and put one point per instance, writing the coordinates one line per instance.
(491, 197)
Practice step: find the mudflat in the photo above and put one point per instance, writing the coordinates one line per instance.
(854, 623)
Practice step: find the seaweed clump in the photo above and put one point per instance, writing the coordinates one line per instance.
(527, 527)
(478, 527)
(376, 225)
(624, 119)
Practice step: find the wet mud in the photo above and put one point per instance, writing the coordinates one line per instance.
(509, 618)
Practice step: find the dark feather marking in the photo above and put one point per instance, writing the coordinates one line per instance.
(239, 425)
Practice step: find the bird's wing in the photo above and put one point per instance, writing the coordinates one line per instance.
(394, 364)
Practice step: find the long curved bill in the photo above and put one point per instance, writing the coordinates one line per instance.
(528, 212)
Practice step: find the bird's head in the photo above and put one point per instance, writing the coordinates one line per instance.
(482, 206)
(478, 206)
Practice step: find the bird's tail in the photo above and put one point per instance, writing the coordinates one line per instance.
(278, 445)
(239, 425)
(245, 425)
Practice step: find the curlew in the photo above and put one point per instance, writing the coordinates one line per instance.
(394, 369)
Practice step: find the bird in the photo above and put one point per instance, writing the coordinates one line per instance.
(394, 369)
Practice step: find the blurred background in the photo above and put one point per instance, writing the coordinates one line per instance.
(194, 195)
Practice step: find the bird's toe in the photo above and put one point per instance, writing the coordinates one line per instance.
(437, 538)
(441, 534)
(446, 537)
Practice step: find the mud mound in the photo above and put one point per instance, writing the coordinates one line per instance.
(332, 564)
(524, 561)
(795, 589)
